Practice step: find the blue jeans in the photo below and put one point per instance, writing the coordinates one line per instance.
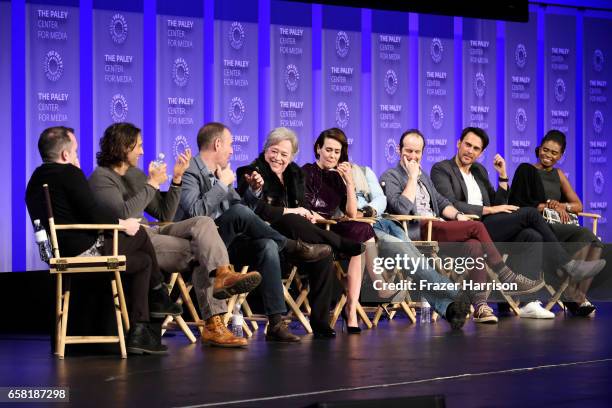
(391, 241)
(251, 241)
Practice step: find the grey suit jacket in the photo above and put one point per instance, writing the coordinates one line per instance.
(448, 180)
(394, 181)
(199, 197)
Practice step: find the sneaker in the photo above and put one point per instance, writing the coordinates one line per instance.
(484, 314)
(457, 312)
(142, 339)
(524, 285)
(534, 310)
(160, 304)
(580, 270)
(280, 332)
(216, 334)
(229, 283)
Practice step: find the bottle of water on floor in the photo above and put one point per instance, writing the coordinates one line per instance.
(425, 311)
(42, 240)
(237, 320)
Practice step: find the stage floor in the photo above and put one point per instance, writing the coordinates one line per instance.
(564, 362)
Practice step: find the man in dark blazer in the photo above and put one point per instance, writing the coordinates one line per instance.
(465, 183)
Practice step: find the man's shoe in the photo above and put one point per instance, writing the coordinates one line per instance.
(484, 314)
(534, 310)
(524, 285)
(323, 332)
(160, 304)
(143, 340)
(580, 270)
(229, 283)
(216, 334)
(280, 332)
(457, 312)
(300, 251)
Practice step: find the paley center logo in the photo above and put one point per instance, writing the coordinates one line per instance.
(598, 60)
(53, 66)
(598, 121)
(292, 77)
(391, 151)
(236, 35)
(436, 117)
(180, 145)
(390, 82)
(118, 108)
(118, 28)
(342, 44)
(480, 84)
(436, 49)
(520, 120)
(236, 110)
(342, 115)
(598, 182)
(180, 72)
(520, 55)
(560, 90)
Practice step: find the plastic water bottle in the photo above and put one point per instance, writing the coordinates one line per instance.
(237, 320)
(160, 160)
(42, 240)
(425, 311)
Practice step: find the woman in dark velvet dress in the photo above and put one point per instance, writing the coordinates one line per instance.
(330, 193)
(280, 185)
(544, 186)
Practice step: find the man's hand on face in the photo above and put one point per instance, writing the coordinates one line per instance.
(225, 175)
(411, 166)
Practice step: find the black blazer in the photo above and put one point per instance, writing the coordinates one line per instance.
(448, 180)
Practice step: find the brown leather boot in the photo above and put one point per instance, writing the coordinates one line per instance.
(216, 334)
(229, 283)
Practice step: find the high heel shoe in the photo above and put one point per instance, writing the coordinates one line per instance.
(349, 329)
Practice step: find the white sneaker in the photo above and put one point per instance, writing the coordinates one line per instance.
(534, 310)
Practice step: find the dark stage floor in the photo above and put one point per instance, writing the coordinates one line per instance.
(562, 362)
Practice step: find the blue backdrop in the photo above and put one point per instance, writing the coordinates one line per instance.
(170, 66)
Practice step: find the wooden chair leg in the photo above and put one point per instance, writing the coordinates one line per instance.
(66, 296)
(409, 311)
(296, 311)
(181, 323)
(118, 317)
(556, 295)
(58, 312)
(122, 303)
(337, 310)
(364, 316)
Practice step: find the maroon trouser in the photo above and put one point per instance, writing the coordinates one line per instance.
(475, 239)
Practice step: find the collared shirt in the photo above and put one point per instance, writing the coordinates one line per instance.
(423, 200)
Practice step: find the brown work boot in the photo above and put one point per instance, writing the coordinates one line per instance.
(280, 332)
(216, 334)
(229, 283)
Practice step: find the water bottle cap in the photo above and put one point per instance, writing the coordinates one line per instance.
(37, 222)
(161, 156)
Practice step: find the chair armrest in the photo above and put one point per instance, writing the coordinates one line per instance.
(589, 215)
(402, 217)
(326, 222)
(367, 220)
(90, 227)
(159, 223)
(472, 216)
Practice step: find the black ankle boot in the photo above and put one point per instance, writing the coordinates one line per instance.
(143, 339)
(160, 304)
